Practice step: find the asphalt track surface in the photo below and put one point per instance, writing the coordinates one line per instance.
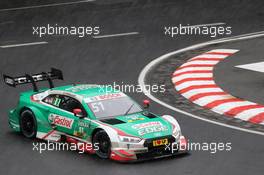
(120, 59)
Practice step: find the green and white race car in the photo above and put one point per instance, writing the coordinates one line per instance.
(115, 125)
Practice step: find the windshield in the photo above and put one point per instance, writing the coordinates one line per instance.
(114, 107)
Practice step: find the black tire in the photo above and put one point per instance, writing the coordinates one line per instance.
(102, 142)
(28, 124)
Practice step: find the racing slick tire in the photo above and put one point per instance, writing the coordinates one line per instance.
(103, 144)
(28, 124)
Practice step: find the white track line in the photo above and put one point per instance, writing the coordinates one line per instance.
(147, 68)
(258, 67)
(6, 22)
(115, 35)
(45, 5)
(23, 44)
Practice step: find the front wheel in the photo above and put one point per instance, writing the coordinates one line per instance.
(102, 144)
(28, 124)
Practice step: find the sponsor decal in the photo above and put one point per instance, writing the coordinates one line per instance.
(160, 142)
(81, 87)
(149, 127)
(81, 128)
(109, 96)
(84, 124)
(145, 125)
(131, 119)
(61, 121)
(55, 136)
(152, 130)
(104, 97)
(79, 133)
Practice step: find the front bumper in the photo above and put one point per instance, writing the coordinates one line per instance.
(13, 120)
(147, 152)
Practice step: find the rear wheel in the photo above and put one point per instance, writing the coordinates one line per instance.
(28, 124)
(102, 144)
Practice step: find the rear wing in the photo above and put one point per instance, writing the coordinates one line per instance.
(44, 76)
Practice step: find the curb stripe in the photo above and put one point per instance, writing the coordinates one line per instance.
(206, 94)
(222, 108)
(257, 119)
(247, 114)
(207, 55)
(192, 72)
(197, 87)
(219, 102)
(206, 100)
(181, 77)
(197, 65)
(193, 79)
(239, 109)
(192, 69)
(206, 59)
(201, 63)
(196, 91)
(188, 84)
(220, 53)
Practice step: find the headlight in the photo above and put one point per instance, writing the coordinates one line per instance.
(129, 139)
(176, 131)
(176, 134)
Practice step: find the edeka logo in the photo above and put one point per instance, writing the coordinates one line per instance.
(61, 121)
(150, 127)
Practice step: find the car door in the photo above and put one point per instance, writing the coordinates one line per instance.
(61, 115)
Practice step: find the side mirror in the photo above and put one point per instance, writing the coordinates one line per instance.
(146, 104)
(78, 112)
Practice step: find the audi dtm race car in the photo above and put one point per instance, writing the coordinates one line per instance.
(115, 125)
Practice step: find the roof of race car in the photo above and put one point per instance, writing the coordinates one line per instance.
(87, 90)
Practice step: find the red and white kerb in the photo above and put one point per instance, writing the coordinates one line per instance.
(194, 80)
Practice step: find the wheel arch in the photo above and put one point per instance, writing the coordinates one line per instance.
(112, 133)
(43, 124)
(95, 131)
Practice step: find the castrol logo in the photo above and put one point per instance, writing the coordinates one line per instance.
(61, 121)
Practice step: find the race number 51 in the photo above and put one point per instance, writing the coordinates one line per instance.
(97, 106)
